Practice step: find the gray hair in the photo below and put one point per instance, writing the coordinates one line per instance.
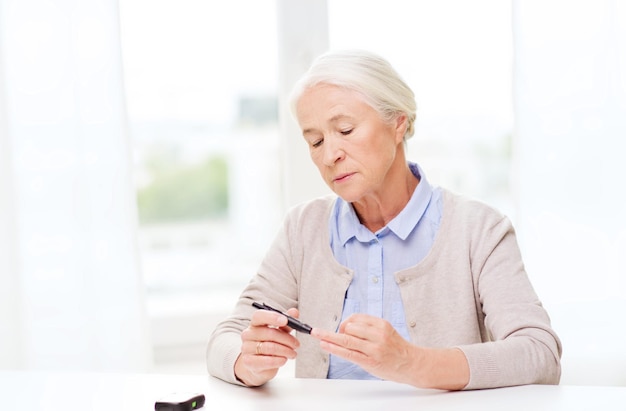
(366, 73)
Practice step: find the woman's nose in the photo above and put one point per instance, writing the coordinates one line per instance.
(333, 152)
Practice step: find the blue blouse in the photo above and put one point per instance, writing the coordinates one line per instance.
(376, 257)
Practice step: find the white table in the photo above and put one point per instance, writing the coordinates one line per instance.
(137, 392)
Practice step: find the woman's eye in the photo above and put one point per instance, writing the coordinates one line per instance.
(317, 143)
(346, 132)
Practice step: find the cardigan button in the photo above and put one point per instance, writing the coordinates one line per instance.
(412, 324)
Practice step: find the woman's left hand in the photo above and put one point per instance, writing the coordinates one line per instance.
(373, 344)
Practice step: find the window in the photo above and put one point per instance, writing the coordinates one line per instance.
(202, 105)
(201, 84)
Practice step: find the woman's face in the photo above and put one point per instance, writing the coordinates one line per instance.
(353, 148)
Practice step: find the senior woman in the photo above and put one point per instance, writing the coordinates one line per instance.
(400, 280)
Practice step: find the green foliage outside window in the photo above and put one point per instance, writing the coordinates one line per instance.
(184, 193)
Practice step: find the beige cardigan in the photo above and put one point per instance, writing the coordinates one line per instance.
(471, 291)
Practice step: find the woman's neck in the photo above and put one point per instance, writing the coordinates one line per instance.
(375, 211)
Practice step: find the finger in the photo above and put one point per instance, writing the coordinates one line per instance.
(344, 351)
(367, 328)
(262, 363)
(320, 333)
(336, 338)
(268, 349)
(293, 312)
(252, 335)
(360, 330)
(265, 318)
(365, 319)
(344, 340)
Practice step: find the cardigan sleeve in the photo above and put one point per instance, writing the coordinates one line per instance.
(523, 348)
(274, 283)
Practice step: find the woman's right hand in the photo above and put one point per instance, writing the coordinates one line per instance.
(266, 346)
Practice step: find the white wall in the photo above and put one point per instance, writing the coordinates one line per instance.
(570, 106)
(10, 309)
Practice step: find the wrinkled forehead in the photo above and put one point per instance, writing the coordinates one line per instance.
(325, 96)
(328, 96)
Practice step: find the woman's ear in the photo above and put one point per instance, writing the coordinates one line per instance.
(402, 122)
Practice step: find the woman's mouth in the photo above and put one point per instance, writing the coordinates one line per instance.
(342, 177)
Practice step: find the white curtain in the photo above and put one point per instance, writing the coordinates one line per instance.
(70, 291)
(570, 106)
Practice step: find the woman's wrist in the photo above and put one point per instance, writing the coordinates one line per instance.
(444, 369)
